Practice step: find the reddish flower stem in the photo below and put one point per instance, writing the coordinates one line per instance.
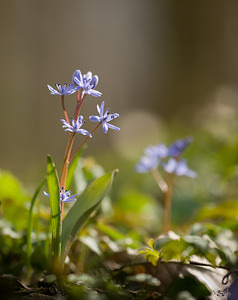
(167, 209)
(166, 188)
(63, 176)
(64, 110)
(79, 103)
(64, 172)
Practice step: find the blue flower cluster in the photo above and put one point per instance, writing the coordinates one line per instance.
(167, 158)
(87, 82)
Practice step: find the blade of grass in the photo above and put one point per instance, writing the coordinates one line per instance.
(29, 227)
(56, 223)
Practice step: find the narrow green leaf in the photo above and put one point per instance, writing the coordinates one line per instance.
(29, 228)
(82, 209)
(111, 232)
(56, 223)
(72, 168)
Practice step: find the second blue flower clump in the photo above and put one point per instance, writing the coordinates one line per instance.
(167, 158)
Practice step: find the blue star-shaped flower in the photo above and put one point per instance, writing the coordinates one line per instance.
(179, 168)
(87, 83)
(65, 196)
(65, 89)
(76, 126)
(105, 118)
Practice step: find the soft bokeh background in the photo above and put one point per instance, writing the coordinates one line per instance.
(159, 63)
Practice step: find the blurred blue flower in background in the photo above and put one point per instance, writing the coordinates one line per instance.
(161, 155)
(179, 146)
(179, 168)
(159, 151)
(147, 163)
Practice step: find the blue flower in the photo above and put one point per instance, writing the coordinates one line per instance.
(160, 151)
(179, 146)
(147, 163)
(86, 82)
(66, 89)
(179, 168)
(65, 196)
(105, 118)
(76, 126)
(151, 159)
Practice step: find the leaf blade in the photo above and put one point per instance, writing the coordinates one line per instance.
(56, 223)
(82, 209)
(29, 227)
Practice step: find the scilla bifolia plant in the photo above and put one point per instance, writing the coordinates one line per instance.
(65, 229)
(164, 164)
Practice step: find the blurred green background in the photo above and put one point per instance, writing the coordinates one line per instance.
(169, 68)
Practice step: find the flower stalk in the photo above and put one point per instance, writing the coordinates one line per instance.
(64, 110)
(80, 97)
(166, 188)
(64, 172)
(167, 159)
(167, 207)
(63, 234)
(82, 85)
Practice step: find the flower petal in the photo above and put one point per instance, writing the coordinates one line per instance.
(101, 109)
(89, 76)
(113, 127)
(77, 82)
(93, 93)
(112, 117)
(104, 127)
(78, 75)
(52, 91)
(171, 166)
(84, 132)
(95, 118)
(94, 82)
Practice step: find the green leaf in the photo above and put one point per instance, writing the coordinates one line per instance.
(111, 232)
(82, 209)
(56, 223)
(147, 279)
(13, 200)
(151, 254)
(29, 228)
